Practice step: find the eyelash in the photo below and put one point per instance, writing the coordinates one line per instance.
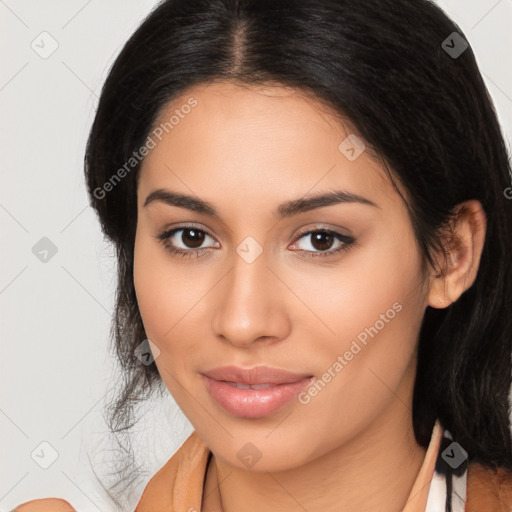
(347, 243)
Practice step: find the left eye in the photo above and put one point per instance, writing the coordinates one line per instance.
(322, 240)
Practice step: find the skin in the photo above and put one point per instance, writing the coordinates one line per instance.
(246, 150)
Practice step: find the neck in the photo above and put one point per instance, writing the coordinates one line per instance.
(375, 470)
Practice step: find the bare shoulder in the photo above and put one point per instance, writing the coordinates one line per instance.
(45, 505)
(488, 489)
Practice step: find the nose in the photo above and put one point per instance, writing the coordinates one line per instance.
(250, 304)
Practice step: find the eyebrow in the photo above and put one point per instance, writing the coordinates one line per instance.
(286, 209)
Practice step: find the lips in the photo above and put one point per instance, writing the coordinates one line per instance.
(253, 392)
(249, 386)
(258, 377)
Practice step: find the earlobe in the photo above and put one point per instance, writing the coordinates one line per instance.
(439, 294)
(460, 267)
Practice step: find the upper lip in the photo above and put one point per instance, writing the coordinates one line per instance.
(255, 375)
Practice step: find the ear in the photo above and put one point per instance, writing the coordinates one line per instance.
(464, 248)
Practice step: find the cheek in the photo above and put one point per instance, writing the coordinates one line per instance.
(161, 304)
(147, 285)
(377, 286)
(157, 290)
(162, 288)
(170, 305)
(373, 306)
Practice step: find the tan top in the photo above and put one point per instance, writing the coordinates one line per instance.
(178, 485)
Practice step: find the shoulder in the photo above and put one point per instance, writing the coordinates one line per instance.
(45, 505)
(489, 489)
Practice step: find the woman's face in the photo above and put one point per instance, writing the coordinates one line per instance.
(252, 288)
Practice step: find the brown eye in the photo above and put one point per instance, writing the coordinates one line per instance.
(186, 245)
(321, 241)
(192, 238)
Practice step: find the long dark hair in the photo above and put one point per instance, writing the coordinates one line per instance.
(414, 93)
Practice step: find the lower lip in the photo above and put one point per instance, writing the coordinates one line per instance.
(253, 403)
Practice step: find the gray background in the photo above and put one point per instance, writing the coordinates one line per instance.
(56, 370)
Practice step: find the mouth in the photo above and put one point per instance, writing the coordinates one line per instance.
(257, 375)
(239, 385)
(255, 392)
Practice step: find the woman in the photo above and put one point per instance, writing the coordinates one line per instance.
(308, 205)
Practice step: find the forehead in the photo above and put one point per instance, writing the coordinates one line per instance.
(256, 139)
(225, 107)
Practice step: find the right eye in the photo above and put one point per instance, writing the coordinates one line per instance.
(190, 236)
